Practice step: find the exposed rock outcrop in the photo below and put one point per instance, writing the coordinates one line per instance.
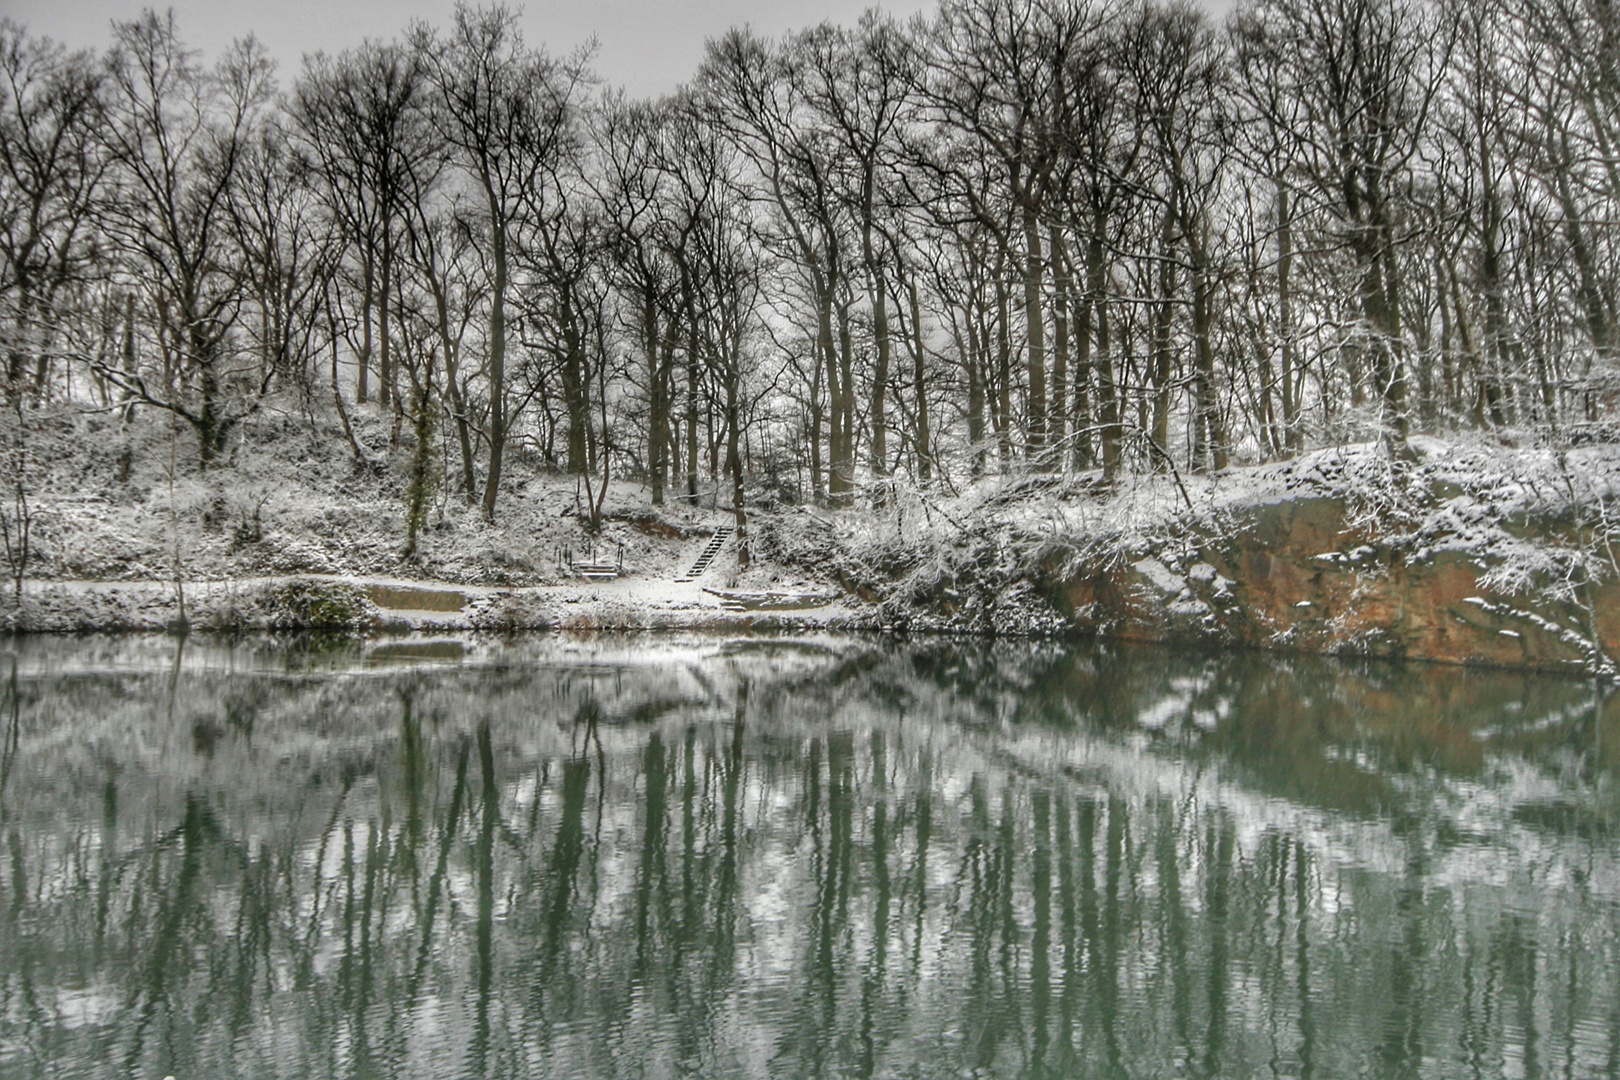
(1302, 575)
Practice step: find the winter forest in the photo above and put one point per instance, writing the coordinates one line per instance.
(1090, 239)
(1247, 370)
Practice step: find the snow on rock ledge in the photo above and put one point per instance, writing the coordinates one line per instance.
(1303, 575)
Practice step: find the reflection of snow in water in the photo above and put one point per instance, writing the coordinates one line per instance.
(312, 770)
(1498, 851)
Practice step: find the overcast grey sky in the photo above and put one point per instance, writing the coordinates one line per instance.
(646, 46)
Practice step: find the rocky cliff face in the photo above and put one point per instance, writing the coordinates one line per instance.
(1300, 575)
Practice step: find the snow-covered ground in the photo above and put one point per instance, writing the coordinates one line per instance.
(1533, 521)
(125, 522)
(1459, 495)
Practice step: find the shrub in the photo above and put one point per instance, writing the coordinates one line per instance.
(319, 605)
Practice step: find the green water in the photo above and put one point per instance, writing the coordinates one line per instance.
(656, 857)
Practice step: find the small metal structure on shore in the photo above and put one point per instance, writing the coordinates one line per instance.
(591, 567)
(706, 556)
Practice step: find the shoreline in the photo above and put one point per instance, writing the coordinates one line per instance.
(365, 605)
(242, 606)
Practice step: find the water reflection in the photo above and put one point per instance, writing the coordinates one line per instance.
(653, 857)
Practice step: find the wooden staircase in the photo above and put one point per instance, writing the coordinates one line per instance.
(710, 550)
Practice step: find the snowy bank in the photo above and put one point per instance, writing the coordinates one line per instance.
(359, 605)
(1463, 553)
(1469, 552)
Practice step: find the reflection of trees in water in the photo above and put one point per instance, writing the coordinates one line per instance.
(852, 871)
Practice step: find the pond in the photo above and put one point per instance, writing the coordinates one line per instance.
(798, 857)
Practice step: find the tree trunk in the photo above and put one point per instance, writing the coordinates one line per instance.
(1163, 315)
(576, 395)
(818, 493)
(385, 359)
(1102, 361)
(829, 357)
(1001, 412)
(920, 436)
(1588, 282)
(1056, 416)
(1035, 332)
(367, 299)
(1210, 435)
(17, 352)
(497, 369)
(843, 466)
(209, 426)
(337, 400)
(880, 373)
(973, 361)
(1488, 396)
(734, 452)
(657, 399)
(1379, 289)
(1293, 435)
(458, 400)
(692, 418)
(1083, 435)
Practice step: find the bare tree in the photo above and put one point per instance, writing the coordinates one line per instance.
(999, 76)
(177, 136)
(509, 113)
(634, 141)
(1354, 84)
(287, 254)
(857, 87)
(50, 170)
(362, 121)
(1178, 75)
(751, 90)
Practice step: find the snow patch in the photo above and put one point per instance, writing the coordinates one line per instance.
(1161, 576)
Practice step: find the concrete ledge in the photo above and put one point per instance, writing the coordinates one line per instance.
(412, 598)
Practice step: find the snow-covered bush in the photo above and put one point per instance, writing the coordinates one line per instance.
(309, 604)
